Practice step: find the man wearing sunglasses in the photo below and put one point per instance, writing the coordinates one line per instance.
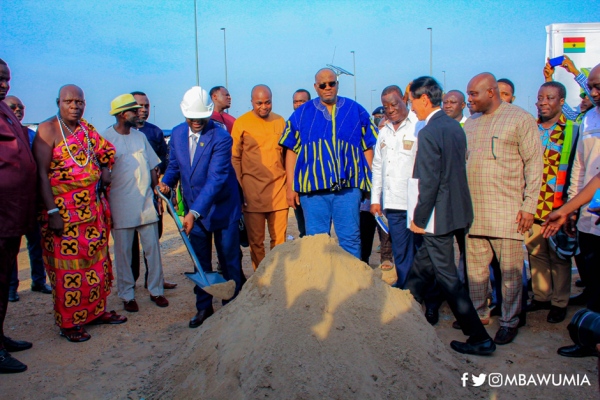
(329, 149)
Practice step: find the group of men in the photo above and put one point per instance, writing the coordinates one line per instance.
(485, 184)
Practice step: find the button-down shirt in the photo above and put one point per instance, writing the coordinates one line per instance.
(393, 162)
(586, 166)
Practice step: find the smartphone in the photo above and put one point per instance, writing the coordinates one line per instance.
(595, 203)
(556, 61)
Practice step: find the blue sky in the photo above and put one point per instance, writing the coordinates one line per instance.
(112, 47)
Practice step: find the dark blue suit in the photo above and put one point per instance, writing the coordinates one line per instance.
(210, 188)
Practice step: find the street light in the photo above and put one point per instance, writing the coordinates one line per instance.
(354, 63)
(196, 36)
(225, 50)
(444, 80)
(430, 51)
(372, 90)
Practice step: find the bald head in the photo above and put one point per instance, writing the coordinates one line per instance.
(261, 98)
(260, 89)
(483, 93)
(71, 103)
(326, 85)
(594, 84)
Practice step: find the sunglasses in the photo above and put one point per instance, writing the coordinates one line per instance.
(324, 85)
(15, 106)
(198, 120)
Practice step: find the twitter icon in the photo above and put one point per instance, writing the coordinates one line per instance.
(478, 380)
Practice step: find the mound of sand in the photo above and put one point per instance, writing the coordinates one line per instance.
(313, 322)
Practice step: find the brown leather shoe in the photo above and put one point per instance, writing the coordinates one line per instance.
(200, 317)
(505, 335)
(169, 285)
(160, 301)
(131, 306)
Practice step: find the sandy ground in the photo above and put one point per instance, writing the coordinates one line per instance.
(119, 360)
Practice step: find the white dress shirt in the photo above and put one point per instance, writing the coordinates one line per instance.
(585, 166)
(393, 163)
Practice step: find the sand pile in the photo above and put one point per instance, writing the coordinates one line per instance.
(313, 322)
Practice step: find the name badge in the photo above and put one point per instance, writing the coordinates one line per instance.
(408, 144)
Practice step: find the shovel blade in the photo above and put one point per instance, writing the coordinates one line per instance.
(217, 285)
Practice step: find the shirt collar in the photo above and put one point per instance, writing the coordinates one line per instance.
(562, 121)
(431, 115)
(192, 134)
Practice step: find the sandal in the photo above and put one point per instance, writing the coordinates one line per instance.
(111, 318)
(75, 334)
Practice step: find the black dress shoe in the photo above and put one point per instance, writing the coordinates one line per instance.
(482, 348)
(200, 317)
(505, 335)
(432, 315)
(579, 300)
(43, 288)
(576, 351)
(15, 345)
(13, 296)
(557, 314)
(9, 365)
(538, 305)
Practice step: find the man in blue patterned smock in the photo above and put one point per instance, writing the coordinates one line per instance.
(329, 149)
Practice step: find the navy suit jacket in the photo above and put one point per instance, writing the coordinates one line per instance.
(209, 184)
(441, 168)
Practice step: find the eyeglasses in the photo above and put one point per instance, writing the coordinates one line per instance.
(15, 106)
(324, 85)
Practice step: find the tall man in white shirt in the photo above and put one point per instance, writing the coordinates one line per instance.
(393, 164)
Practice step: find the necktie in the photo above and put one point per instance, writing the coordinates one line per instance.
(193, 146)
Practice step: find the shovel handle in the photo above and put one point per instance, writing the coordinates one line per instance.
(184, 236)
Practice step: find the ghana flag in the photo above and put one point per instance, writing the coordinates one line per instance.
(574, 45)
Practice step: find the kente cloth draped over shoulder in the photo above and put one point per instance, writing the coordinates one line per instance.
(78, 263)
(330, 150)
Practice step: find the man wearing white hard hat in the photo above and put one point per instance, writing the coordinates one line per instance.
(200, 158)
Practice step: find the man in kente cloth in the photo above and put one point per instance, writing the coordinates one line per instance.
(74, 164)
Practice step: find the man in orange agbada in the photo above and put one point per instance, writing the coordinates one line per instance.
(258, 162)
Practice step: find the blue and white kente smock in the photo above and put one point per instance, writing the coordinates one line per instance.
(330, 150)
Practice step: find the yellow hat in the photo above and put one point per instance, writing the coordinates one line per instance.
(122, 103)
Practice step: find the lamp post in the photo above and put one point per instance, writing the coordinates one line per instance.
(225, 51)
(372, 90)
(444, 80)
(196, 37)
(430, 51)
(354, 64)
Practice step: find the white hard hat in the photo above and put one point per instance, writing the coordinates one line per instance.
(196, 104)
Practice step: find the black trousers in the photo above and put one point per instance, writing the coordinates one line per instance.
(590, 273)
(434, 261)
(9, 248)
(135, 252)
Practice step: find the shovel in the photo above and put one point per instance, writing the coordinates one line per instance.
(211, 282)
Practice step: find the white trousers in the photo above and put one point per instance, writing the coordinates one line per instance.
(122, 248)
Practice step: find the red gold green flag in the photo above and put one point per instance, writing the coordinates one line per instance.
(574, 45)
